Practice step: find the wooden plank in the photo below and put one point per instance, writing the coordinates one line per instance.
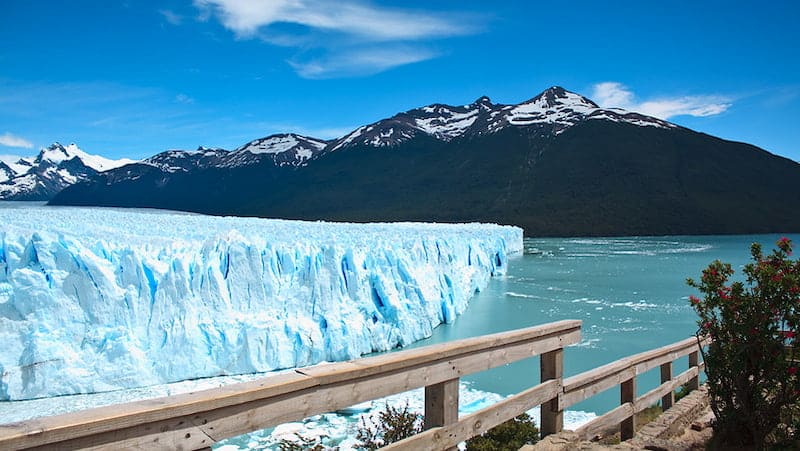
(480, 421)
(569, 330)
(666, 376)
(41, 431)
(606, 421)
(326, 374)
(648, 360)
(552, 416)
(694, 383)
(648, 399)
(643, 362)
(591, 388)
(627, 395)
(592, 376)
(441, 404)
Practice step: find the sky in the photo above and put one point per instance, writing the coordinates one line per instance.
(134, 78)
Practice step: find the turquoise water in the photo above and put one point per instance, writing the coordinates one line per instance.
(630, 294)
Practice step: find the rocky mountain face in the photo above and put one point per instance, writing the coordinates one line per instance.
(54, 168)
(556, 164)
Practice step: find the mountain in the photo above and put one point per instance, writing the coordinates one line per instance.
(557, 165)
(41, 177)
(6, 173)
(283, 150)
(554, 110)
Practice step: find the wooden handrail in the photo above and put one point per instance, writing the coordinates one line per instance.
(197, 420)
(623, 373)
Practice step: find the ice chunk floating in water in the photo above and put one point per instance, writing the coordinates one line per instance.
(101, 299)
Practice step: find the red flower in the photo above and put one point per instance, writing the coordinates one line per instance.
(785, 244)
(777, 277)
(707, 325)
(792, 371)
(694, 300)
(788, 334)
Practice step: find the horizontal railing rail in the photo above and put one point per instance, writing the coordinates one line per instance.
(623, 373)
(197, 420)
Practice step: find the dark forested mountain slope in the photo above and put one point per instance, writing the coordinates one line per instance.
(556, 165)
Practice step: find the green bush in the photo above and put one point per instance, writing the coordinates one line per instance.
(393, 424)
(511, 436)
(750, 363)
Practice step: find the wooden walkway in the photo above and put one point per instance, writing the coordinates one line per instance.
(198, 420)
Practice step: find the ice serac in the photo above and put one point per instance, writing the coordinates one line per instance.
(94, 299)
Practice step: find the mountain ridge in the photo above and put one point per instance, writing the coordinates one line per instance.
(556, 164)
(51, 170)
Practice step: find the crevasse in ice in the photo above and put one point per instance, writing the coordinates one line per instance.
(100, 299)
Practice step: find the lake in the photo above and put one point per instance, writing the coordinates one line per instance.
(629, 292)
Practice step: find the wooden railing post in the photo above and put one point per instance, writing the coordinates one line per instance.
(441, 404)
(552, 367)
(666, 376)
(627, 393)
(694, 383)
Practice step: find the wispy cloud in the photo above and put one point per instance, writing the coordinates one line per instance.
(171, 16)
(345, 31)
(247, 17)
(183, 98)
(359, 62)
(617, 95)
(9, 140)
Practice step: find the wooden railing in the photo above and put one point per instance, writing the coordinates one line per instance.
(197, 420)
(623, 372)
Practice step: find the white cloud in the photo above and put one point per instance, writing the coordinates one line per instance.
(617, 95)
(345, 30)
(9, 140)
(183, 98)
(171, 16)
(246, 17)
(359, 62)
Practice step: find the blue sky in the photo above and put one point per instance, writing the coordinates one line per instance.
(133, 78)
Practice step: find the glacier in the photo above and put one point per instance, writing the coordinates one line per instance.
(95, 300)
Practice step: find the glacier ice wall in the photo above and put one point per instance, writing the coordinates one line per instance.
(101, 299)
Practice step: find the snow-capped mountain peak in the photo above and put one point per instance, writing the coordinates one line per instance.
(284, 149)
(555, 108)
(56, 153)
(55, 167)
(483, 101)
(563, 109)
(558, 97)
(6, 172)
